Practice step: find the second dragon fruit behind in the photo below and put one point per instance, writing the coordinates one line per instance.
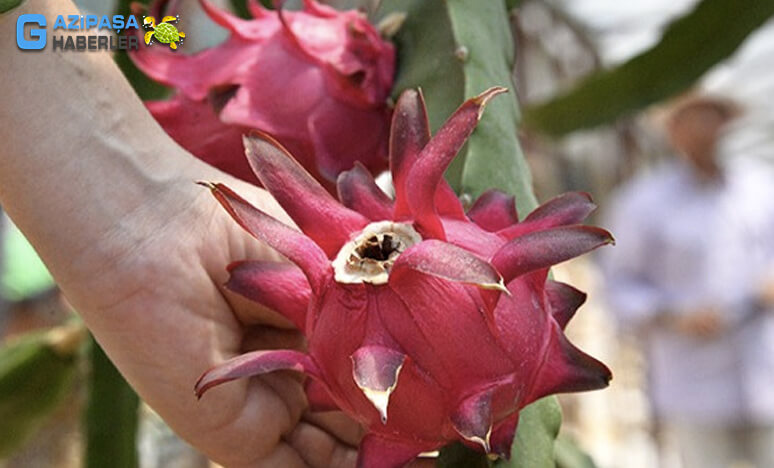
(317, 80)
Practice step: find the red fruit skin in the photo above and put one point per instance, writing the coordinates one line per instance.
(465, 331)
(317, 80)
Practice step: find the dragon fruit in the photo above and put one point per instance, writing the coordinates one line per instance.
(317, 80)
(424, 323)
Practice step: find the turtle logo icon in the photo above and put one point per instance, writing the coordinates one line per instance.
(164, 32)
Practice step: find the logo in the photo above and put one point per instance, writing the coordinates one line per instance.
(164, 32)
(38, 35)
(117, 32)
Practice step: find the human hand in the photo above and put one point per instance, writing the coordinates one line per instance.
(156, 304)
(701, 322)
(140, 251)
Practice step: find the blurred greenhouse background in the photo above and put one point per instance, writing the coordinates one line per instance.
(558, 43)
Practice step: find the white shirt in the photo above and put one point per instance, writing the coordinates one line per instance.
(683, 243)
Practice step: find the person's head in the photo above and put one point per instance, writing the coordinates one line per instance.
(694, 127)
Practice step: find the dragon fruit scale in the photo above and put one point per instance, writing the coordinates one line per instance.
(317, 80)
(424, 323)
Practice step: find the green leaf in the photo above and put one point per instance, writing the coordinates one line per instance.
(453, 50)
(569, 455)
(111, 416)
(36, 373)
(23, 274)
(689, 47)
(8, 5)
(538, 427)
(239, 7)
(511, 4)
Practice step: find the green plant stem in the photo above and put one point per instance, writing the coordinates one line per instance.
(110, 419)
(689, 47)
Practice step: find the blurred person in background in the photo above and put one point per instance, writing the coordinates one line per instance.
(692, 276)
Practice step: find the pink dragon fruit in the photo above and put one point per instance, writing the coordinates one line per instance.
(316, 79)
(424, 323)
